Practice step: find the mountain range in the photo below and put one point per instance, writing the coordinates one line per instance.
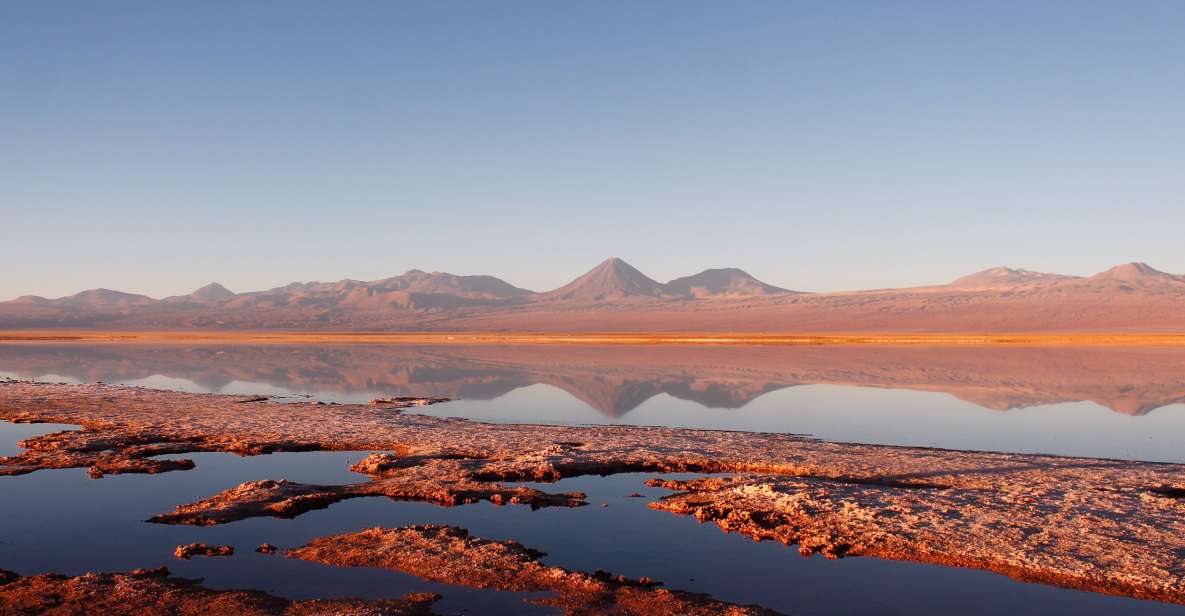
(615, 297)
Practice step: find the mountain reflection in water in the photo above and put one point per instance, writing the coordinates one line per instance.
(1090, 401)
(616, 380)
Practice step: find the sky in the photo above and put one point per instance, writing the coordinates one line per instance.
(156, 147)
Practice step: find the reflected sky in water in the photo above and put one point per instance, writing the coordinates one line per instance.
(43, 531)
(1100, 402)
(1120, 403)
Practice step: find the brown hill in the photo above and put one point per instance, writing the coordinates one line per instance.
(106, 299)
(616, 297)
(1135, 275)
(212, 293)
(440, 283)
(1006, 278)
(725, 282)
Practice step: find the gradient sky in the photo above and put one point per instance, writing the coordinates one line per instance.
(156, 146)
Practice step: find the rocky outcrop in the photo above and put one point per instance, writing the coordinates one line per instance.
(152, 592)
(190, 550)
(451, 555)
(286, 499)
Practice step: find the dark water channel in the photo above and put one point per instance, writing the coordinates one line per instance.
(62, 521)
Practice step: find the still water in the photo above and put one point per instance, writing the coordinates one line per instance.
(1101, 402)
(1120, 403)
(64, 522)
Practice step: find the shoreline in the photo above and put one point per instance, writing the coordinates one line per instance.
(1119, 523)
(590, 338)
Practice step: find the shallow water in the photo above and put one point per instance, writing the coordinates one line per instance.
(1116, 403)
(64, 522)
(1122, 403)
(12, 434)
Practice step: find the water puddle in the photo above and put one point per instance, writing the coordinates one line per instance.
(64, 522)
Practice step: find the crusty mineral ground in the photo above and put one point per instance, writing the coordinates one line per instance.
(450, 555)
(190, 550)
(1104, 525)
(149, 592)
(405, 402)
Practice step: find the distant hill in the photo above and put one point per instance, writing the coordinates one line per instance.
(106, 298)
(481, 287)
(212, 293)
(724, 282)
(1135, 275)
(615, 296)
(1006, 278)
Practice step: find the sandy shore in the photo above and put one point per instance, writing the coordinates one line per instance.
(1102, 525)
(689, 338)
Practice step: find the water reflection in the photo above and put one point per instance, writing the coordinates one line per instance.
(43, 532)
(616, 380)
(1074, 401)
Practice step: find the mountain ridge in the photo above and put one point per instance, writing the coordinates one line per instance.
(615, 296)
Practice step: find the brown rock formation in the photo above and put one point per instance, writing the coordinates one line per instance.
(450, 555)
(1035, 534)
(190, 550)
(285, 499)
(152, 592)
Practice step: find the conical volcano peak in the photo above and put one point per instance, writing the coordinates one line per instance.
(612, 279)
(618, 266)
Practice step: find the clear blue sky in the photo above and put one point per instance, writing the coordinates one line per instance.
(156, 146)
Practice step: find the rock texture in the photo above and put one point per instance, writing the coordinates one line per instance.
(152, 592)
(431, 482)
(1036, 532)
(190, 550)
(403, 402)
(1104, 525)
(450, 555)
